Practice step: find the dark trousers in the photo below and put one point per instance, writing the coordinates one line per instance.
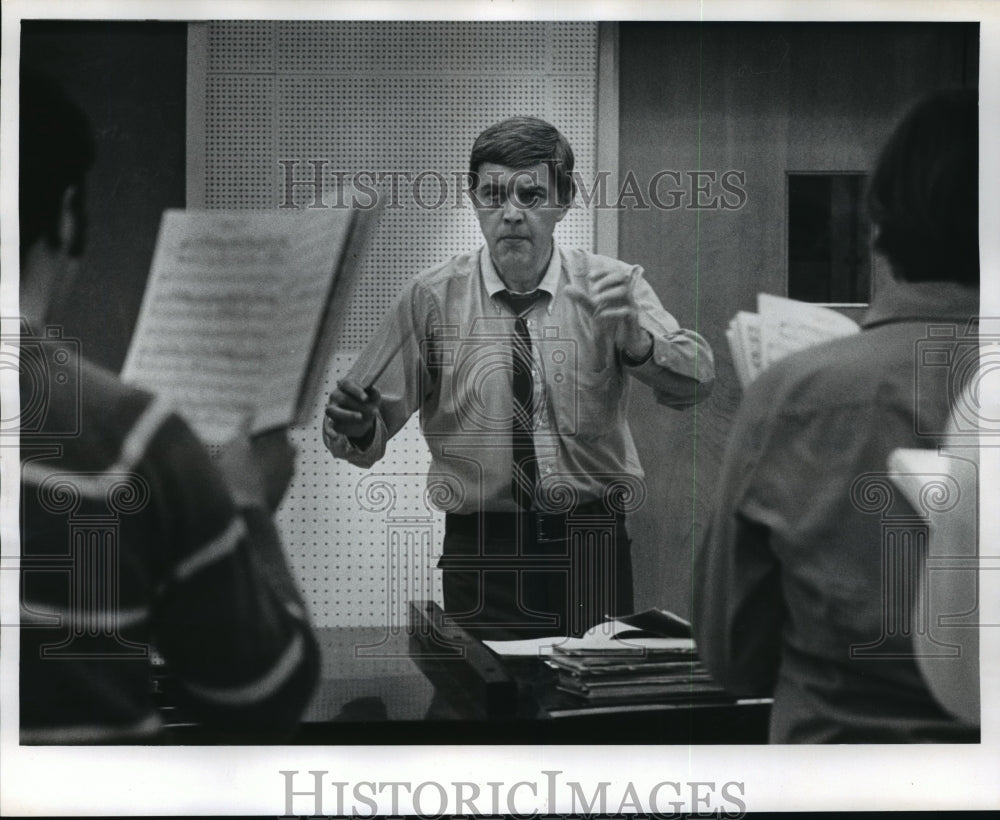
(524, 575)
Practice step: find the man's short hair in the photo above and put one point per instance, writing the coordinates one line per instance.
(520, 142)
(923, 195)
(56, 151)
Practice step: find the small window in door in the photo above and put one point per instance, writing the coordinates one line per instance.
(829, 248)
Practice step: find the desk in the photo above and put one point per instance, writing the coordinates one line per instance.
(376, 689)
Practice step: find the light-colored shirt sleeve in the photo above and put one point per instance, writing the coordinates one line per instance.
(395, 359)
(681, 369)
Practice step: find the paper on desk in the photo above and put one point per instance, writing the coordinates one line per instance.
(608, 636)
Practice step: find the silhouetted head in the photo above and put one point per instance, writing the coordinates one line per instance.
(56, 151)
(924, 193)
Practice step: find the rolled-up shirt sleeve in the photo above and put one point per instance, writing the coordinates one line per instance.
(340, 446)
(394, 359)
(681, 369)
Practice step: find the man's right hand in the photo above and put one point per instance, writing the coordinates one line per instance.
(351, 411)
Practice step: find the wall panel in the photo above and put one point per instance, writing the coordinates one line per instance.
(763, 99)
(404, 97)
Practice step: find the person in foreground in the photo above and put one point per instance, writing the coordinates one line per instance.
(801, 591)
(519, 356)
(132, 538)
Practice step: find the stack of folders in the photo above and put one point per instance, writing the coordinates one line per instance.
(654, 662)
(640, 677)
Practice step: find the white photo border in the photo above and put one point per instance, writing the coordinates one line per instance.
(247, 780)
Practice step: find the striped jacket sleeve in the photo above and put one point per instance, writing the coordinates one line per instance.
(228, 617)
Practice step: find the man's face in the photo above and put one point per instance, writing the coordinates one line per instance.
(517, 212)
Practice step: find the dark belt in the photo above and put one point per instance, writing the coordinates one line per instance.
(534, 525)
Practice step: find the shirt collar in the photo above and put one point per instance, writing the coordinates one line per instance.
(899, 301)
(550, 281)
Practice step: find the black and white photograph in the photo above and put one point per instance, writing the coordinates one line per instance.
(460, 409)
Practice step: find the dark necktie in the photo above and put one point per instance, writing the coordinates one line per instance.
(524, 468)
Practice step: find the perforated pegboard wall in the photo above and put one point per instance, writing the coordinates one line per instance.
(393, 97)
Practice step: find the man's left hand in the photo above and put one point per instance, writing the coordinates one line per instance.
(609, 299)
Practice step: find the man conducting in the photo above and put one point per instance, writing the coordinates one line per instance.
(517, 355)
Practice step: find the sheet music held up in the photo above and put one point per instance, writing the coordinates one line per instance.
(233, 313)
(779, 327)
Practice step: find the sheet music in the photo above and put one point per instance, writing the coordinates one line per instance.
(361, 230)
(231, 300)
(781, 326)
(788, 325)
(744, 337)
(302, 307)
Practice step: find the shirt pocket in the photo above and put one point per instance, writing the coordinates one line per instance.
(588, 405)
